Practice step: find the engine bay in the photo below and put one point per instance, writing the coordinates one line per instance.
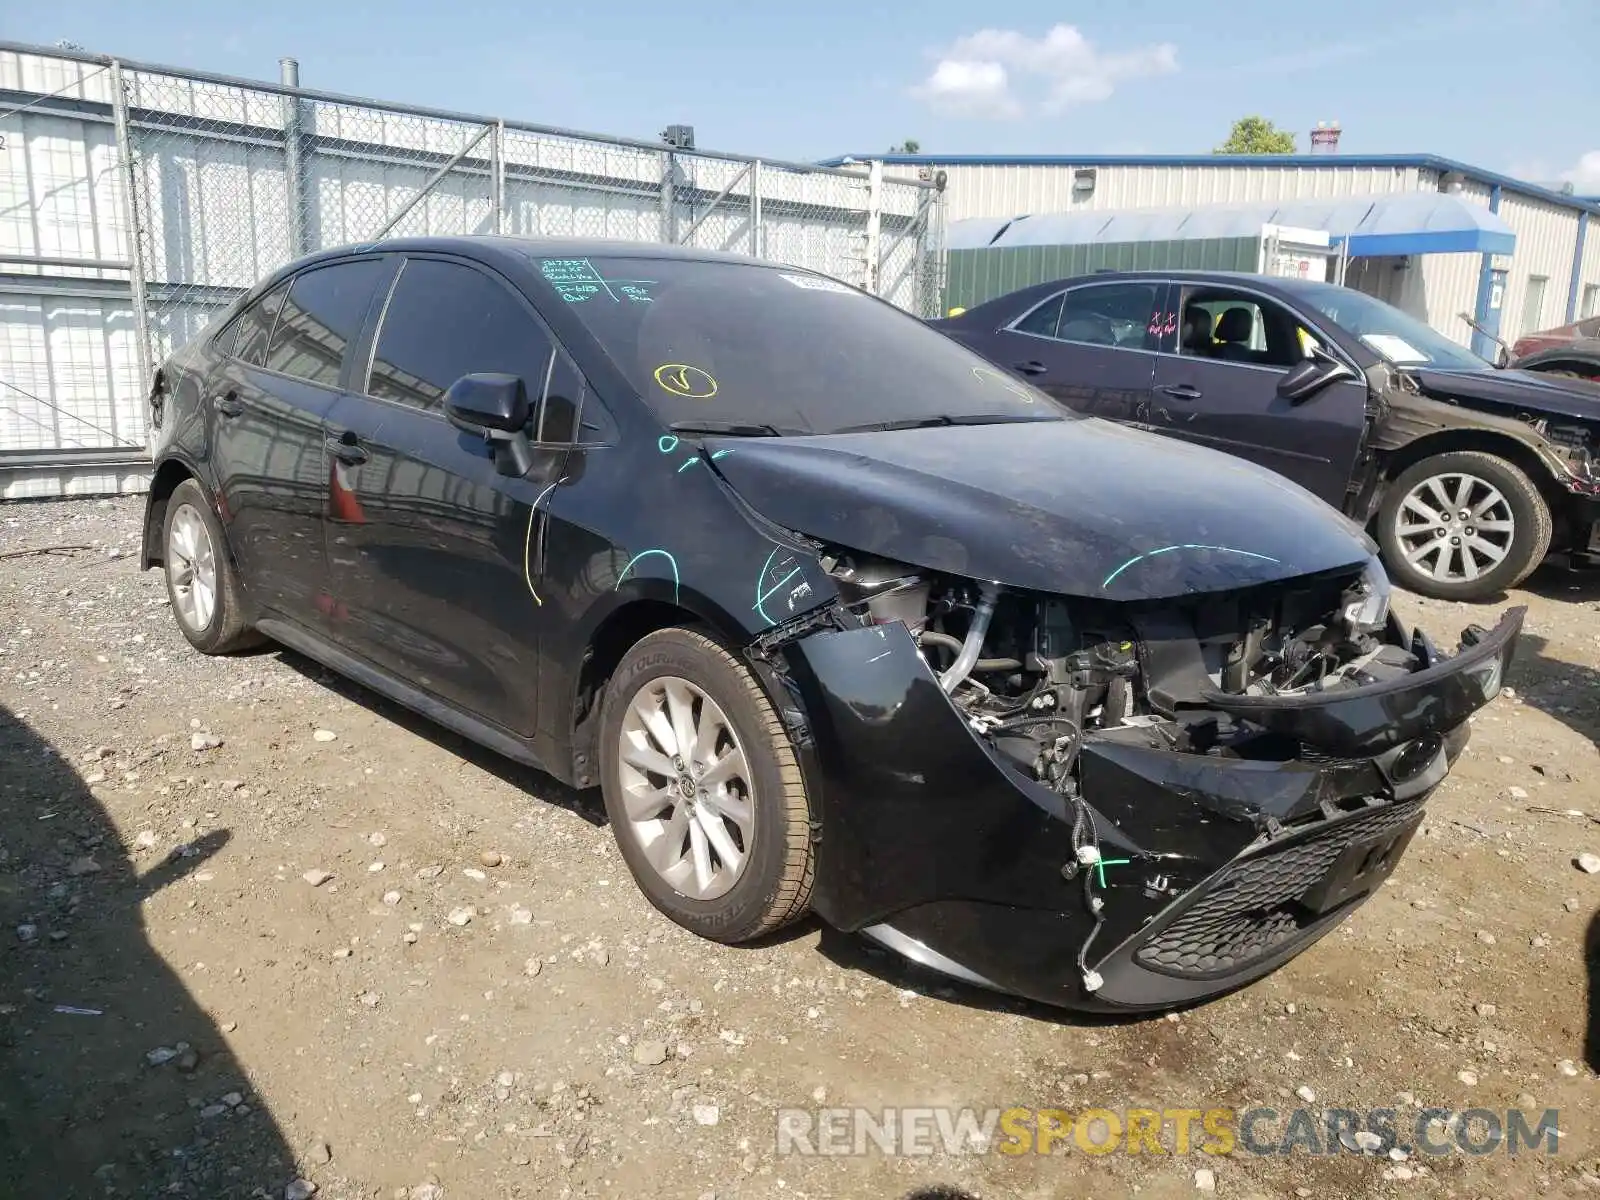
(1037, 674)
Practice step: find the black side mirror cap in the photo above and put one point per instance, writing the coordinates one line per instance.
(1309, 376)
(487, 403)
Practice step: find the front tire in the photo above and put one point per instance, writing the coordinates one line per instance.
(1463, 526)
(201, 582)
(703, 791)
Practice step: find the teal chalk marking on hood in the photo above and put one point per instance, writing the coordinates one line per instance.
(1138, 558)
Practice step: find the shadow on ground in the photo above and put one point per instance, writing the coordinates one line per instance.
(1554, 581)
(585, 804)
(1567, 691)
(84, 999)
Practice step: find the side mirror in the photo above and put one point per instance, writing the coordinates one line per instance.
(487, 404)
(495, 408)
(1308, 377)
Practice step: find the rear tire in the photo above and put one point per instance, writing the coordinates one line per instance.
(201, 582)
(703, 791)
(1463, 526)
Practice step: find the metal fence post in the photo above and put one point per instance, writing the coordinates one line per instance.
(497, 175)
(293, 160)
(757, 248)
(669, 198)
(869, 269)
(131, 218)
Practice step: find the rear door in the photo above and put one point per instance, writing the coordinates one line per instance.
(1090, 346)
(1219, 387)
(267, 400)
(432, 552)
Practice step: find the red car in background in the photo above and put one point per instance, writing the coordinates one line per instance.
(1571, 350)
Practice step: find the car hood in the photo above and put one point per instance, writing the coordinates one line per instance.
(1079, 507)
(1512, 391)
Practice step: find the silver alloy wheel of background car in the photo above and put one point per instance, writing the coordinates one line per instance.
(1454, 526)
(687, 787)
(192, 567)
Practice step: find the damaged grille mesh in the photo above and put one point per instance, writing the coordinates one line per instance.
(1255, 906)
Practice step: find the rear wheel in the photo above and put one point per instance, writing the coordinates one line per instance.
(201, 582)
(1463, 526)
(702, 789)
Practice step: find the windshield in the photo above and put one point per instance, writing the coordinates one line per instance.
(748, 348)
(1388, 332)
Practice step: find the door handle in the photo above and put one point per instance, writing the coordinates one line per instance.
(1180, 391)
(1031, 368)
(229, 405)
(347, 450)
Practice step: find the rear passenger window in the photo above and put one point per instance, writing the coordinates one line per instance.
(255, 327)
(445, 320)
(1043, 319)
(1110, 314)
(322, 315)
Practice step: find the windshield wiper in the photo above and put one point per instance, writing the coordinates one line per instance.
(941, 419)
(727, 429)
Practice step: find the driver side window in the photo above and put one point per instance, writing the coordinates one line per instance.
(1241, 327)
(445, 320)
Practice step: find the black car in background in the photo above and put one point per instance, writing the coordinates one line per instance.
(837, 616)
(1467, 474)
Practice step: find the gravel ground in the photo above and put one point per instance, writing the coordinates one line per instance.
(324, 945)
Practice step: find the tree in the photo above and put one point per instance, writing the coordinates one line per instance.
(1257, 135)
(909, 146)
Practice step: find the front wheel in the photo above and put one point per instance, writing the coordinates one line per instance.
(705, 797)
(1463, 526)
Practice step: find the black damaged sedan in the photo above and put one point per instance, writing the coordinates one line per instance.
(837, 616)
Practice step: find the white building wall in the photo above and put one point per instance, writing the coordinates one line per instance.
(1434, 287)
(1008, 191)
(1448, 285)
(1590, 275)
(1547, 238)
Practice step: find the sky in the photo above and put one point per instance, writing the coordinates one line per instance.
(1509, 86)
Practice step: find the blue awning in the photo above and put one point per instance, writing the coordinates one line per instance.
(1427, 223)
(1396, 224)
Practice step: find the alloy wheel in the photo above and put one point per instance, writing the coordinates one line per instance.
(686, 787)
(192, 568)
(1454, 526)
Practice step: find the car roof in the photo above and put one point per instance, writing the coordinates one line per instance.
(1264, 283)
(519, 251)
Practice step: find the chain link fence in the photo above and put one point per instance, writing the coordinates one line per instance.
(139, 201)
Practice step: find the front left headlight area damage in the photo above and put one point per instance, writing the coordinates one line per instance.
(1115, 805)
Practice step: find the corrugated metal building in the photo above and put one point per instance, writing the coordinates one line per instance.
(1551, 275)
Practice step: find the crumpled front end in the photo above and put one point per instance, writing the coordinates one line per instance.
(1116, 806)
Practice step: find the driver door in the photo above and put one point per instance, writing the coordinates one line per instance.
(430, 548)
(1220, 389)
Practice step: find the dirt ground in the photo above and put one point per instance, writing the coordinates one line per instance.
(478, 1003)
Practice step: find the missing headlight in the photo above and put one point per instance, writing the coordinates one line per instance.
(886, 591)
(1365, 606)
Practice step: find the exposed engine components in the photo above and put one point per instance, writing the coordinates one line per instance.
(1035, 675)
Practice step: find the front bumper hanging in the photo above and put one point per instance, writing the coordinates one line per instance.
(1213, 871)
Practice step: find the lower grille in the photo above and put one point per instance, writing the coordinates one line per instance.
(1256, 905)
